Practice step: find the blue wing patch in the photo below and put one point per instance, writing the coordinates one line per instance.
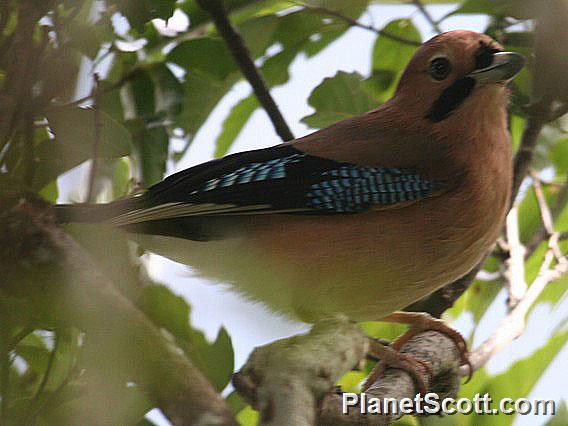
(310, 184)
(253, 172)
(352, 189)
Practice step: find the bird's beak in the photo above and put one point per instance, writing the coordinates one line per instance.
(505, 66)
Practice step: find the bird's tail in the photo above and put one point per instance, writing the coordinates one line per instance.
(94, 213)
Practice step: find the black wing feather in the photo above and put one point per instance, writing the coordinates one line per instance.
(284, 179)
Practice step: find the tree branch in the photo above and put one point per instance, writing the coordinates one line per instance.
(515, 264)
(427, 16)
(51, 271)
(525, 154)
(354, 23)
(514, 324)
(97, 139)
(431, 347)
(288, 381)
(542, 233)
(19, 61)
(242, 56)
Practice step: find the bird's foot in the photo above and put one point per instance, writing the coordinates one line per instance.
(421, 321)
(420, 371)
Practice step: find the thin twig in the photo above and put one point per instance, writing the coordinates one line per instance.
(558, 112)
(102, 91)
(525, 153)
(513, 325)
(242, 56)
(487, 276)
(4, 382)
(354, 23)
(545, 214)
(45, 378)
(435, 25)
(97, 140)
(515, 264)
(557, 208)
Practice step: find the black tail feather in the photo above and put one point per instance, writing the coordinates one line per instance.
(95, 213)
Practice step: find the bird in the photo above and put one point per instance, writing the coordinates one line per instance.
(361, 218)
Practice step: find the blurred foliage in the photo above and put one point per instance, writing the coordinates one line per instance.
(155, 85)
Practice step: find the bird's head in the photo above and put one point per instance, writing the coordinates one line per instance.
(458, 73)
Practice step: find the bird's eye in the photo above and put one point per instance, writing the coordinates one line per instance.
(440, 68)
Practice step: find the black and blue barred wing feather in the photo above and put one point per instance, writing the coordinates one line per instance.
(274, 180)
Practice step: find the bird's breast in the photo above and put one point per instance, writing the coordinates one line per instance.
(363, 265)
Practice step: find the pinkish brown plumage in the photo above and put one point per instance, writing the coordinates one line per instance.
(363, 217)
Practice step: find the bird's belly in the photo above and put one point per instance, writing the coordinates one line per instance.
(286, 284)
(308, 268)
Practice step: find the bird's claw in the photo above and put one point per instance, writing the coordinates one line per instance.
(420, 371)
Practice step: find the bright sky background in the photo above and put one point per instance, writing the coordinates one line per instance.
(251, 325)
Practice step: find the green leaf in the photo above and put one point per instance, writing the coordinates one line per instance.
(529, 215)
(275, 68)
(139, 12)
(88, 38)
(257, 33)
(202, 93)
(297, 27)
(171, 312)
(151, 146)
(338, 98)
(121, 178)
(74, 130)
(383, 330)
(351, 381)
(138, 97)
(436, 421)
(234, 123)
(128, 406)
(248, 417)
(241, 10)
(196, 55)
(559, 156)
(168, 91)
(215, 360)
(35, 352)
(561, 416)
(166, 309)
(113, 254)
(247, 9)
(517, 128)
(519, 379)
(479, 298)
(146, 422)
(50, 192)
(390, 57)
(521, 9)
(235, 402)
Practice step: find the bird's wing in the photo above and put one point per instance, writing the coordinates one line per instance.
(280, 179)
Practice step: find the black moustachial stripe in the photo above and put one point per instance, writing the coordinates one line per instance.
(450, 99)
(456, 94)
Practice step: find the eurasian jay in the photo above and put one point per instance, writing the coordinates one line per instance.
(362, 218)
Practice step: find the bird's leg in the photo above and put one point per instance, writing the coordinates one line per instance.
(418, 322)
(392, 358)
(421, 321)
